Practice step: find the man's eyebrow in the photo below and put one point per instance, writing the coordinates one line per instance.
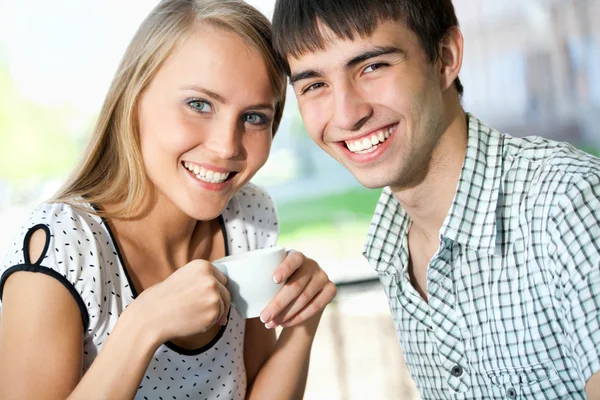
(372, 53)
(306, 74)
(209, 93)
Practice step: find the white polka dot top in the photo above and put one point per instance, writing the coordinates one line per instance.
(82, 254)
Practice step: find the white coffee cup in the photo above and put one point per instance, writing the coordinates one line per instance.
(250, 278)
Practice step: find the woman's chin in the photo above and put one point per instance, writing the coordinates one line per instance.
(207, 212)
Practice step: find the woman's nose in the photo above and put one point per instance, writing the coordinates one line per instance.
(224, 141)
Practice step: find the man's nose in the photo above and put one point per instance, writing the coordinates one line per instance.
(351, 111)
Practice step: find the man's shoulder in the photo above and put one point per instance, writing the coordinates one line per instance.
(540, 162)
(547, 152)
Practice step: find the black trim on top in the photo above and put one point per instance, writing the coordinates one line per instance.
(134, 292)
(28, 236)
(85, 317)
(224, 232)
(208, 346)
(28, 266)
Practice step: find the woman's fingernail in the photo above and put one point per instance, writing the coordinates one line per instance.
(276, 279)
(270, 325)
(264, 317)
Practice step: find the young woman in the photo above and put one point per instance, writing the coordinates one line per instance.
(108, 292)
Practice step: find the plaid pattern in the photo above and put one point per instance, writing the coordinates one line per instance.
(514, 288)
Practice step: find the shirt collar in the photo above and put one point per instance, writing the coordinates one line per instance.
(471, 220)
(386, 238)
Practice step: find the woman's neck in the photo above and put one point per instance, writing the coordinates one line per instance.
(165, 235)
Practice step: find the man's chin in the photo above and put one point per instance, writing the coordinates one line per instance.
(371, 182)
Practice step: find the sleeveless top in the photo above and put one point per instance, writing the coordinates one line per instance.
(81, 253)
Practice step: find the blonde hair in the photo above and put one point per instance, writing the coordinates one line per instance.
(112, 170)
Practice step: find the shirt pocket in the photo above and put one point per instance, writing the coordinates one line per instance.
(528, 382)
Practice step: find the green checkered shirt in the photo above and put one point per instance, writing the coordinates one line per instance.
(514, 288)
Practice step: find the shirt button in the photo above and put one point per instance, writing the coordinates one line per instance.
(457, 371)
(511, 393)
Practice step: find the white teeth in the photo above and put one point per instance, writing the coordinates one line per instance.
(369, 144)
(366, 143)
(206, 175)
(372, 149)
(389, 131)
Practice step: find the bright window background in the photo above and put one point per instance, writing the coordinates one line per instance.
(530, 67)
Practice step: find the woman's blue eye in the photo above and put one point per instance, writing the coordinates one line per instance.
(200, 105)
(254, 119)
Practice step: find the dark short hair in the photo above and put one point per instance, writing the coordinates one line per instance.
(295, 27)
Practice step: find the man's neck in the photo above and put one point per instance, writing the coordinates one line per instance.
(428, 203)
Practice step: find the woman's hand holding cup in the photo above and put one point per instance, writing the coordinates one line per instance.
(306, 292)
(190, 301)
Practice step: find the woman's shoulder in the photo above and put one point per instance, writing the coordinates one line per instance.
(61, 215)
(62, 222)
(252, 214)
(73, 253)
(254, 194)
(252, 200)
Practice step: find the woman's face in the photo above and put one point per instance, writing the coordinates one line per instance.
(206, 121)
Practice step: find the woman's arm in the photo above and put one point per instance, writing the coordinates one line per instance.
(41, 341)
(284, 362)
(41, 346)
(118, 369)
(283, 366)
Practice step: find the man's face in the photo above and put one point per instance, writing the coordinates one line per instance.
(374, 104)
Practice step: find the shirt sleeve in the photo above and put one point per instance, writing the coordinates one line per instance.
(574, 232)
(71, 254)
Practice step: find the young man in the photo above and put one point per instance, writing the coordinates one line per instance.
(487, 245)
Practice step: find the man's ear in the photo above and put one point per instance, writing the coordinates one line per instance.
(451, 55)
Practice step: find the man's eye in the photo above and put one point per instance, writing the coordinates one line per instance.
(373, 67)
(313, 87)
(254, 119)
(200, 106)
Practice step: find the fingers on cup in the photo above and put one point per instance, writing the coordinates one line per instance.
(288, 293)
(223, 301)
(297, 304)
(316, 305)
(293, 260)
(221, 277)
(301, 294)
